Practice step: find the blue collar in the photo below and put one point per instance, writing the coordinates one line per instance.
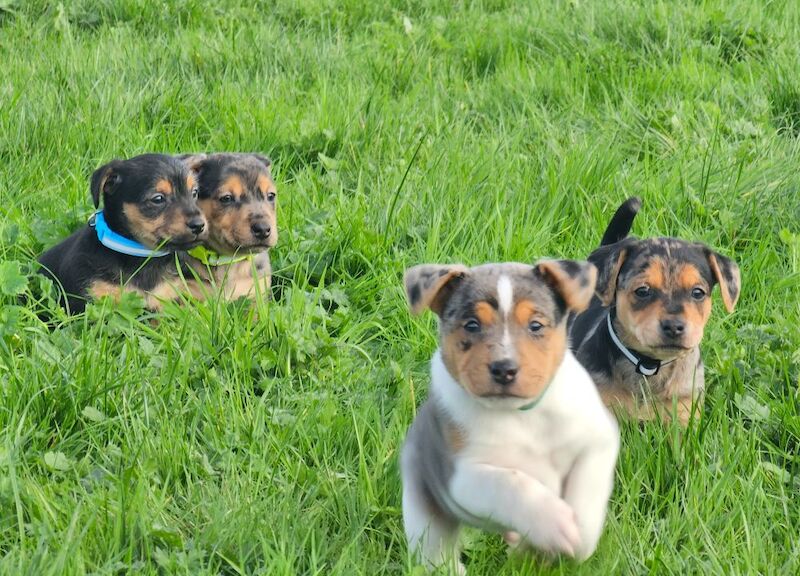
(118, 242)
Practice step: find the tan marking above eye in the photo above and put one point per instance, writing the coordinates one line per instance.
(653, 276)
(164, 186)
(190, 182)
(265, 184)
(525, 311)
(485, 313)
(231, 185)
(689, 277)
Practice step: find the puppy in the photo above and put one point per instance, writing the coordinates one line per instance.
(238, 197)
(640, 337)
(513, 436)
(149, 212)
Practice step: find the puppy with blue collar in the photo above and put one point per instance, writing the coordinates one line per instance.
(513, 437)
(149, 212)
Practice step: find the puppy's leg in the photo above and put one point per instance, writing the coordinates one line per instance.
(430, 533)
(587, 490)
(518, 502)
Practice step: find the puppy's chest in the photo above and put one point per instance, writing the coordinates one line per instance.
(239, 276)
(538, 447)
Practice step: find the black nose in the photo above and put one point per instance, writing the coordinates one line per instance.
(672, 327)
(504, 371)
(261, 230)
(196, 224)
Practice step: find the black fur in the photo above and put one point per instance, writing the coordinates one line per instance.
(621, 222)
(77, 262)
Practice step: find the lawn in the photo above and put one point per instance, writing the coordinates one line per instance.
(219, 441)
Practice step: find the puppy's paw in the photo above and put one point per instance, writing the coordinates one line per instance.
(555, 528)
(515, 542)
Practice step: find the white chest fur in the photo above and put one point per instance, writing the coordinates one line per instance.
(544, 473)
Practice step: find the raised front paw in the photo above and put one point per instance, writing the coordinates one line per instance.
(555, 527)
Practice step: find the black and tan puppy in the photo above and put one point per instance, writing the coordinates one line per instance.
(149, 211)
(640, 337)
(238, 196)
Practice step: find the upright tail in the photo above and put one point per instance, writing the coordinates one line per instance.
(622, 221)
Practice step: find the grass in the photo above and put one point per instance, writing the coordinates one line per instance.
(213, 442)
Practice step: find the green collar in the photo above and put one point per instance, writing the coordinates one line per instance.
(211, 258)
(535, 401)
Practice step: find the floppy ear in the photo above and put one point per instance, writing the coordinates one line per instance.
(430, 285)
(103, 181)
(726, 272)
(573, 280)
(609, 260)
(263, 159)
(193, 161)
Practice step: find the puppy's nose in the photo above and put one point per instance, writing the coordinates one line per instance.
(261, 230)
(673, 327)
(196, 224)
(504, 371)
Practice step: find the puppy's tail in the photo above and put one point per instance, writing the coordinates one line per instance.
(622, 221)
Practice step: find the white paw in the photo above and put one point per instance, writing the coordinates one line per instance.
(555, 528)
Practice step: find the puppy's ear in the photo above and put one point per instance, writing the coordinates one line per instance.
(104, 180)
(263, 159)
(430, 285)
(609, 260)
(573, 280)
(727, 274)
(195, 162)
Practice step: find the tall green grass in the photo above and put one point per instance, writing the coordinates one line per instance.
(219, 441)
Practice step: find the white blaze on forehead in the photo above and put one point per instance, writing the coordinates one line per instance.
(505, 299)
(505, 294)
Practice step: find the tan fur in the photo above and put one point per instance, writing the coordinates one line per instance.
(606, 293)
(538, 361)
(429, 282)
(229, 227)
(576, 296)
(469, 367)
(248, 278)
(538, 357)
(154, 299)
(641, 329)
(164, 186)
(152, 232)
(626, 405)
(727, 299)
(485, 313)
(455, 437)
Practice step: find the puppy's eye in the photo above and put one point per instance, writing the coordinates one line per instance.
(698, 293)
(472, 325)
(158, 199)
(271, 197)
(226, 199)
(194, 193)
(535, 326)
(642, 292)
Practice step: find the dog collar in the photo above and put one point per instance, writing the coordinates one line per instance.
(118, 242)
(532, 404)
(645, 365)
(211, 258)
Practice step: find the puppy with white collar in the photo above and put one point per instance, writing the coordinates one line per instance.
(513, 437)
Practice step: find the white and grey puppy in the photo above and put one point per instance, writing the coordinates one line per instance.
(514, 437)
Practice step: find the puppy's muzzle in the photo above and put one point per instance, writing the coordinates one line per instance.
(673, 328)
(196, 224)
(261, 230)
(504, 372)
